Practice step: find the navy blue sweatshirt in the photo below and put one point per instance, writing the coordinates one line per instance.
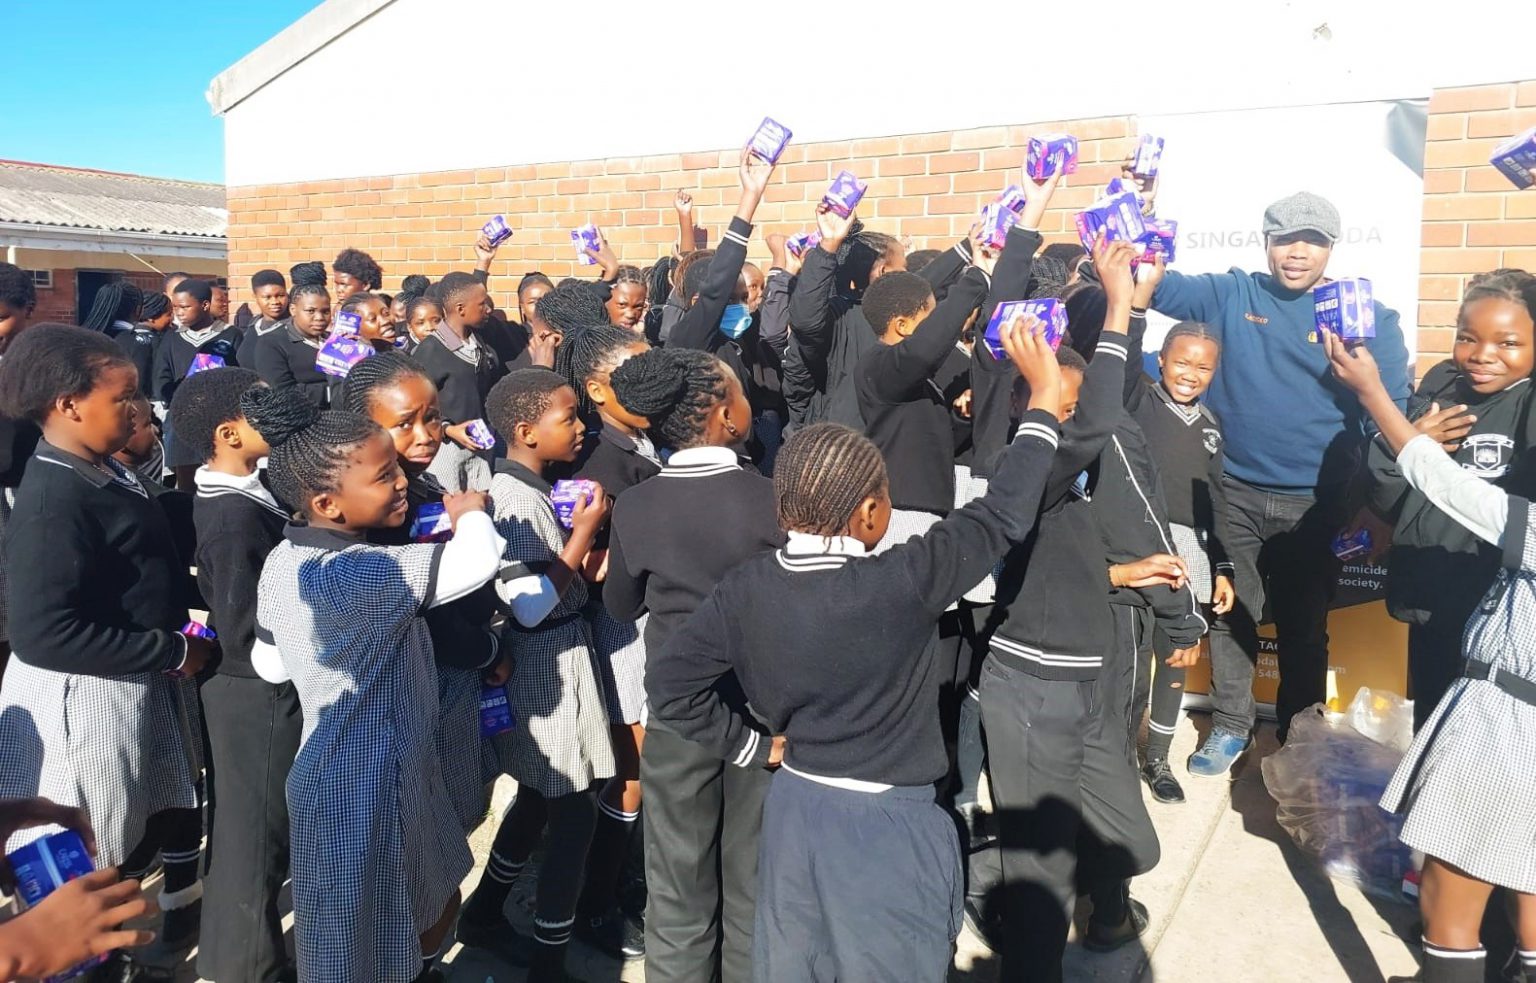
(1283, 412)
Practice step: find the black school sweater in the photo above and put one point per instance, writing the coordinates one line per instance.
(285, 359)
(1051, 614)
(829, 334)
(1437, 570)
(992, 378)
(235, 532)
(102, 589)
(903, 408)
(851, 675)
(142, 345)
(176, 353)
(259, 328)
(673, 537)
(462, 380)
(1186, 445)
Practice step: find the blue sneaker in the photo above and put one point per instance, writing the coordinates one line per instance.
(1220, 750)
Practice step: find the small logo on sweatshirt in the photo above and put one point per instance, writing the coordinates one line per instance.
(1490, 454)
(1255, 318)
(1212, 439)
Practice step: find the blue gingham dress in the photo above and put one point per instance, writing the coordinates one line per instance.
(1468, 783)
(560, 742)
(377, 850)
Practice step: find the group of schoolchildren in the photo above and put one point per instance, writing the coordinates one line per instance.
(842, 551)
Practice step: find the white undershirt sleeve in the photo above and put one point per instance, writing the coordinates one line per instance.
(267, 662)
(531, 598)
(470, 558)
(1481, 507)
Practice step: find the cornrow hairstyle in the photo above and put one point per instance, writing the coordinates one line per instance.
(521, 396)
(1478, 279)
(629, 274)
(384, 370)
(16, 287)
(310, 446)
(205, 401)
(895, 295)
(1065, 253)
(690, 274)
(532, 279)
(1047, 278)
(362, 297)
(306, 289)
(359, 266)
(821, 475)
(119, 301)
(200, 290)
(1510, 285)
(267, 278)
(415, 285)
(307, 274)
(659, 281)
(920, 258)
(154, 306)
(567, 308)
(864, 249)
(415, 302)
(675, 389)
(49, 362)
(595, 349)
(1189, 329)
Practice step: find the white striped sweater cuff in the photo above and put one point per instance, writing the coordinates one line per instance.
(1112, 348)
(1037, 430)
(736, 237)
(748, 750)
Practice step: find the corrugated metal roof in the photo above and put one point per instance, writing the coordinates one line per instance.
(38, 194)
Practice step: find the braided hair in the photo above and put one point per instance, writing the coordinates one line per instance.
(414, 285)
(382, 370)
(310, 446)
(1504, 284)
(307, 288)
(306, 274)
(1189, 329)
(119, 301)
(690, 274)
(154, 306)
(675, 389)
(821, 475)
(593, 350)
(567, 308)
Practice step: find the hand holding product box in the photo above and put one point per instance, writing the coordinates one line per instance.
(769, 141)
(1345, 308)
(566, 494)
(1049, 154)
(1516, 159)
(585, 238)
(845, 194)
(1049, 311)
(496, 231)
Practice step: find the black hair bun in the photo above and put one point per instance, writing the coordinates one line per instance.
(651, 382)
(278, 414)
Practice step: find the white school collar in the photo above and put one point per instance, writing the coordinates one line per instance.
(806, 544)
(212, 483)
(700, 462)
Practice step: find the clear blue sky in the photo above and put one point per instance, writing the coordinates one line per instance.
(119, 85)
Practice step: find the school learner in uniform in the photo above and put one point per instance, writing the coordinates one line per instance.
(285, 358)
(559, 750)
(1438, 570)
(460, 364)
(97, 709)
(701, 816)
(621, 456)
(271, 293)
(114, 309)
(377, 852)
(143, 342)
(354, 272)
(18, 438)
(423, 315)
(861, 747)
(1465, 786)
(1050, 632)
(395, 393)
(253, 725)
(197, 333)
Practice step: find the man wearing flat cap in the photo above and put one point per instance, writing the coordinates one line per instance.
(1294, 440)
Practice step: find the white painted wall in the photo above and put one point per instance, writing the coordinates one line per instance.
(523, 81)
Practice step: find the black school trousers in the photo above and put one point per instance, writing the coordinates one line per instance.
(702, 819)
(855, 886)
(253, 732)
(1066, 796)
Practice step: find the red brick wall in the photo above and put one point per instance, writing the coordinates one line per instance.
(928, 186)
(57, 303)
(1474, 219)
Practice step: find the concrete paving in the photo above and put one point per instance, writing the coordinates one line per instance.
(1232, 900)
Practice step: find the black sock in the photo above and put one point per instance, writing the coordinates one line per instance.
(1527, 959)
(605, 859)
(520, 830)
(490, 895)
(548, 959)
(1166, 701)
(1111, 903)
(1442, 965)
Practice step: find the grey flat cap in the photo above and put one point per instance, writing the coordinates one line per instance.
(1302, 211)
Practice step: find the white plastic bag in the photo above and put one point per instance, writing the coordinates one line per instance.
(1326, 783)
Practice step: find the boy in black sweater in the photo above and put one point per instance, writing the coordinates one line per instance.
(461, 364)
(253, 725)
(198, 333)
(862, 751)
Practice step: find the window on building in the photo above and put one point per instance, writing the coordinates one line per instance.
(42, 279)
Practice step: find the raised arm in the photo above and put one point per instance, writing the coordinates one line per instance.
(893, 372)
(683, 203)
(698, 327)
(682, 691)
(1192, 298)
(814, 306)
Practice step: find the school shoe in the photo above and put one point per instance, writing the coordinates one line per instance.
(1098, 938)
(548, 965)
(1217, 754)
(498, 938)
(613, 934)
(123, 968)
(1159, 778)
(183, 916)
(985, 929)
